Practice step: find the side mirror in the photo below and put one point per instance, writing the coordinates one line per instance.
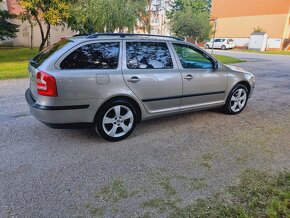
(215, 64)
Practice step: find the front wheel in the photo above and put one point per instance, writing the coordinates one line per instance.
(207, 46)
(116, 120)
(223, 47)
(237, 100)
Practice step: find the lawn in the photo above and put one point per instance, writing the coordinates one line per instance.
(228, 60)
(265, 52)
(13, 62)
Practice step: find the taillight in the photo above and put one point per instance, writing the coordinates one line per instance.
(46, 84)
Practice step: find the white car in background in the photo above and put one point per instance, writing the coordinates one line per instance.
(222, 43)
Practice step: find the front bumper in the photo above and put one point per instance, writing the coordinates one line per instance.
(60, 114)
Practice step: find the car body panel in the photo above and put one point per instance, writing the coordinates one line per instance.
(156, 87)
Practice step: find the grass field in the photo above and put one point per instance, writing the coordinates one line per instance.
(13, 62)
(228, 60)
(265, 52)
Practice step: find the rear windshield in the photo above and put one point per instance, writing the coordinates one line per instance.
(46, 53)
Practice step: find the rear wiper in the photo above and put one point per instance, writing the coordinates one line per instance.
(33, 62)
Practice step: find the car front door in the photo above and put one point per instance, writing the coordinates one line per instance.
(152, 74)
(202, 84)
(217, 43)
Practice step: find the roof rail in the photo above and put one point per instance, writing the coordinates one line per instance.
(123, 35)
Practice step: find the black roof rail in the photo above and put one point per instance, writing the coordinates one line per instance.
(123, 35)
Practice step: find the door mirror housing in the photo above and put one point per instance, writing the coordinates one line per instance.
(215, 64)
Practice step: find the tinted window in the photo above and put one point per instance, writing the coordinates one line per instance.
(93, 56)
(148, 55)
(191, 58)
(46, 53)
(217, 40)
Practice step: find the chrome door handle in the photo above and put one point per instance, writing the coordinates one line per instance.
(188, 77)
(134, 79)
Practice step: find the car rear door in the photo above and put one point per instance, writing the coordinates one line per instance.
(152, 74)
(202, 85)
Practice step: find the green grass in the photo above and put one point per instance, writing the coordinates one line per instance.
(265, 52)
(14, 61)
(258, 194)
(228, 60)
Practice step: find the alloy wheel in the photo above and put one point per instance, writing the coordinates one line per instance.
(118, 121)
(238, 100)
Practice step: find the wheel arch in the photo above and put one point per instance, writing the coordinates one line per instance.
(242, 82)
(247, 84)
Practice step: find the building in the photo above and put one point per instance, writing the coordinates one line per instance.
(158, 21)
(238, 19)
(23, 38)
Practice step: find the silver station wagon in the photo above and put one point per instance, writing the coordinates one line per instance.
(113, 81)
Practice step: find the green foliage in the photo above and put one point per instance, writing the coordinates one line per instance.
(105, 15)
(7, 29)
(52, 12)
(258, 29)
(190, 18)
(188, 24)
(196, 6)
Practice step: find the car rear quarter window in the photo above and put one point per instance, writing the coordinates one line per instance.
(148, 55)
(191, 58)
(46, 53)
(93, 56)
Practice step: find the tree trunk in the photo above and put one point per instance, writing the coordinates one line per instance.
(148, 28)
(44, 40)
(31, 32)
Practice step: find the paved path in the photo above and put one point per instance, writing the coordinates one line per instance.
(67, 173)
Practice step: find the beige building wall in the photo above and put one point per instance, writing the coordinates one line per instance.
(274, 25)
(23, 38)
(237, 19)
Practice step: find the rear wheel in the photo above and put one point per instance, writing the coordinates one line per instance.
(116, 120)
(237, 100)
(224, 47)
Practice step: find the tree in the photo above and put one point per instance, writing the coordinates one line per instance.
(188, 24)
(47, 13)
(105, 15)
(190, 18)
(196, 6)
(7, 29)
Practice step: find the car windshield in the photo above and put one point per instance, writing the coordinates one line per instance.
(46, 53)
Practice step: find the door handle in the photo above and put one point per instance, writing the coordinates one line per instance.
(188, 77)
(134, 79)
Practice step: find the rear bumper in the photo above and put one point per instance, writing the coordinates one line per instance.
(67, 114)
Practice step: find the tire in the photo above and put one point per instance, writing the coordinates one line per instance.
(237, 100)
(206, 46)
(116, 120)
(223, 47)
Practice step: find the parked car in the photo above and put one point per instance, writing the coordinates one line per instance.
(113, 81)
(222, 43)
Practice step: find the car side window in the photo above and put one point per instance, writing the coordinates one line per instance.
(93, 56)
(148, 55)
(191, 58)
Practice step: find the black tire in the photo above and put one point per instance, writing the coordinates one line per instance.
(206, 46)
(108, 110)
(223, 47)
(228, 107)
